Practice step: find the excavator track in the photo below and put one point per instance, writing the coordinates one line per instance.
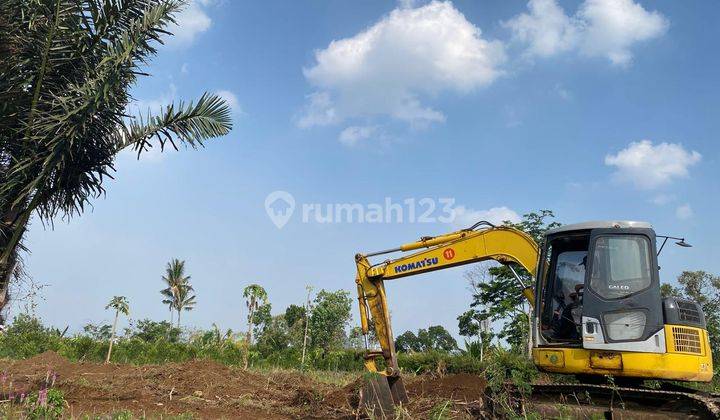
(618, 402)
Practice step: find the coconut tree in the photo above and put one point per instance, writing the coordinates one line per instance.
(255, 295)
(174, 279)
(185, 300)
(121, 306)
(178, 294)
(66, 70)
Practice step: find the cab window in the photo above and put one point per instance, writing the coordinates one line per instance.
(621, 265)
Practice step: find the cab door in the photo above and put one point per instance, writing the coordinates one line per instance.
(622, 309)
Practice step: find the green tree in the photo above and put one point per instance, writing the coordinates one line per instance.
(408, 342)
(186, 300)
(178, 294)
(668, 290)
(98, 332)
(152, 331)
(295, 320)
(120, 305)
(435, 337)
(330, 316)
(255, 297)
(472, 324)
(274, 337)
(66, 70)
(294, 314)
(496, 294)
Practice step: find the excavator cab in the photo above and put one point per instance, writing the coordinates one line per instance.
(599, 311)
(601, 289)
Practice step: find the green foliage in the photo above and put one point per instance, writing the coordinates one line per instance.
(435, 337)
(274, 337)
(510, 366)
(668, 290)
(151, 331)
(178, 294)
(256, 301)
(294, 314)
(441, 411)
(119, 304)
(329, 318)
(26, 337)
(435, 362)
(262, 319)
(147, 344)
(45, 404)
(98, 332)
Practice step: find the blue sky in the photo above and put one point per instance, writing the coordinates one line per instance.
(600, 109)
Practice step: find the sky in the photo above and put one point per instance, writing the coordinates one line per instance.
(452, 112)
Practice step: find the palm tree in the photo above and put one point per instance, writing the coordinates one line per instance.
(254, 295)
(174, 278)
(66, 69)
(178, 293)
(121, 306)
(185, 300)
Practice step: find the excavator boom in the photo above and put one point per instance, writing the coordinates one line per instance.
(503, 244)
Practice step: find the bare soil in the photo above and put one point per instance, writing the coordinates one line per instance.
(206, 389)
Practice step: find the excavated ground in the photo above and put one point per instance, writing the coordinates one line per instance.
(205, 389)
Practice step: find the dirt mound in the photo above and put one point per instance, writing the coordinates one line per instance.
(207, 389)
(48, 361)
(347, 397)
(461, 387)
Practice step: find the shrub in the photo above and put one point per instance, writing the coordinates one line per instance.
(27, 337)
(46, 404)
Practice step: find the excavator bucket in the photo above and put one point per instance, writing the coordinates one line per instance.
(379, 395)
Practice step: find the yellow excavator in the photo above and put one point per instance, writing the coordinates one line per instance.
(596, 303)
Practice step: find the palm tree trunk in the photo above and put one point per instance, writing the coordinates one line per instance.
(305, 334)
(8, 230)
(112, 337)
(248, 337)
(178, 320)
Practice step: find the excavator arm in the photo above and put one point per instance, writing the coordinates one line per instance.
(503, 244)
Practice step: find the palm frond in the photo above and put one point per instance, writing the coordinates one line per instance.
(191, 124)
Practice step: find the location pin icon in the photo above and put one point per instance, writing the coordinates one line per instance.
(279, 206)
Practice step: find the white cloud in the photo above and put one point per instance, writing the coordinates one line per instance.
(408, 55)
(184, 69)
(191, 21)
(684, 212)
(465, 217)
(650, 166)
(231, 100)
(547, 30)
(600, 28)
(353, 134)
